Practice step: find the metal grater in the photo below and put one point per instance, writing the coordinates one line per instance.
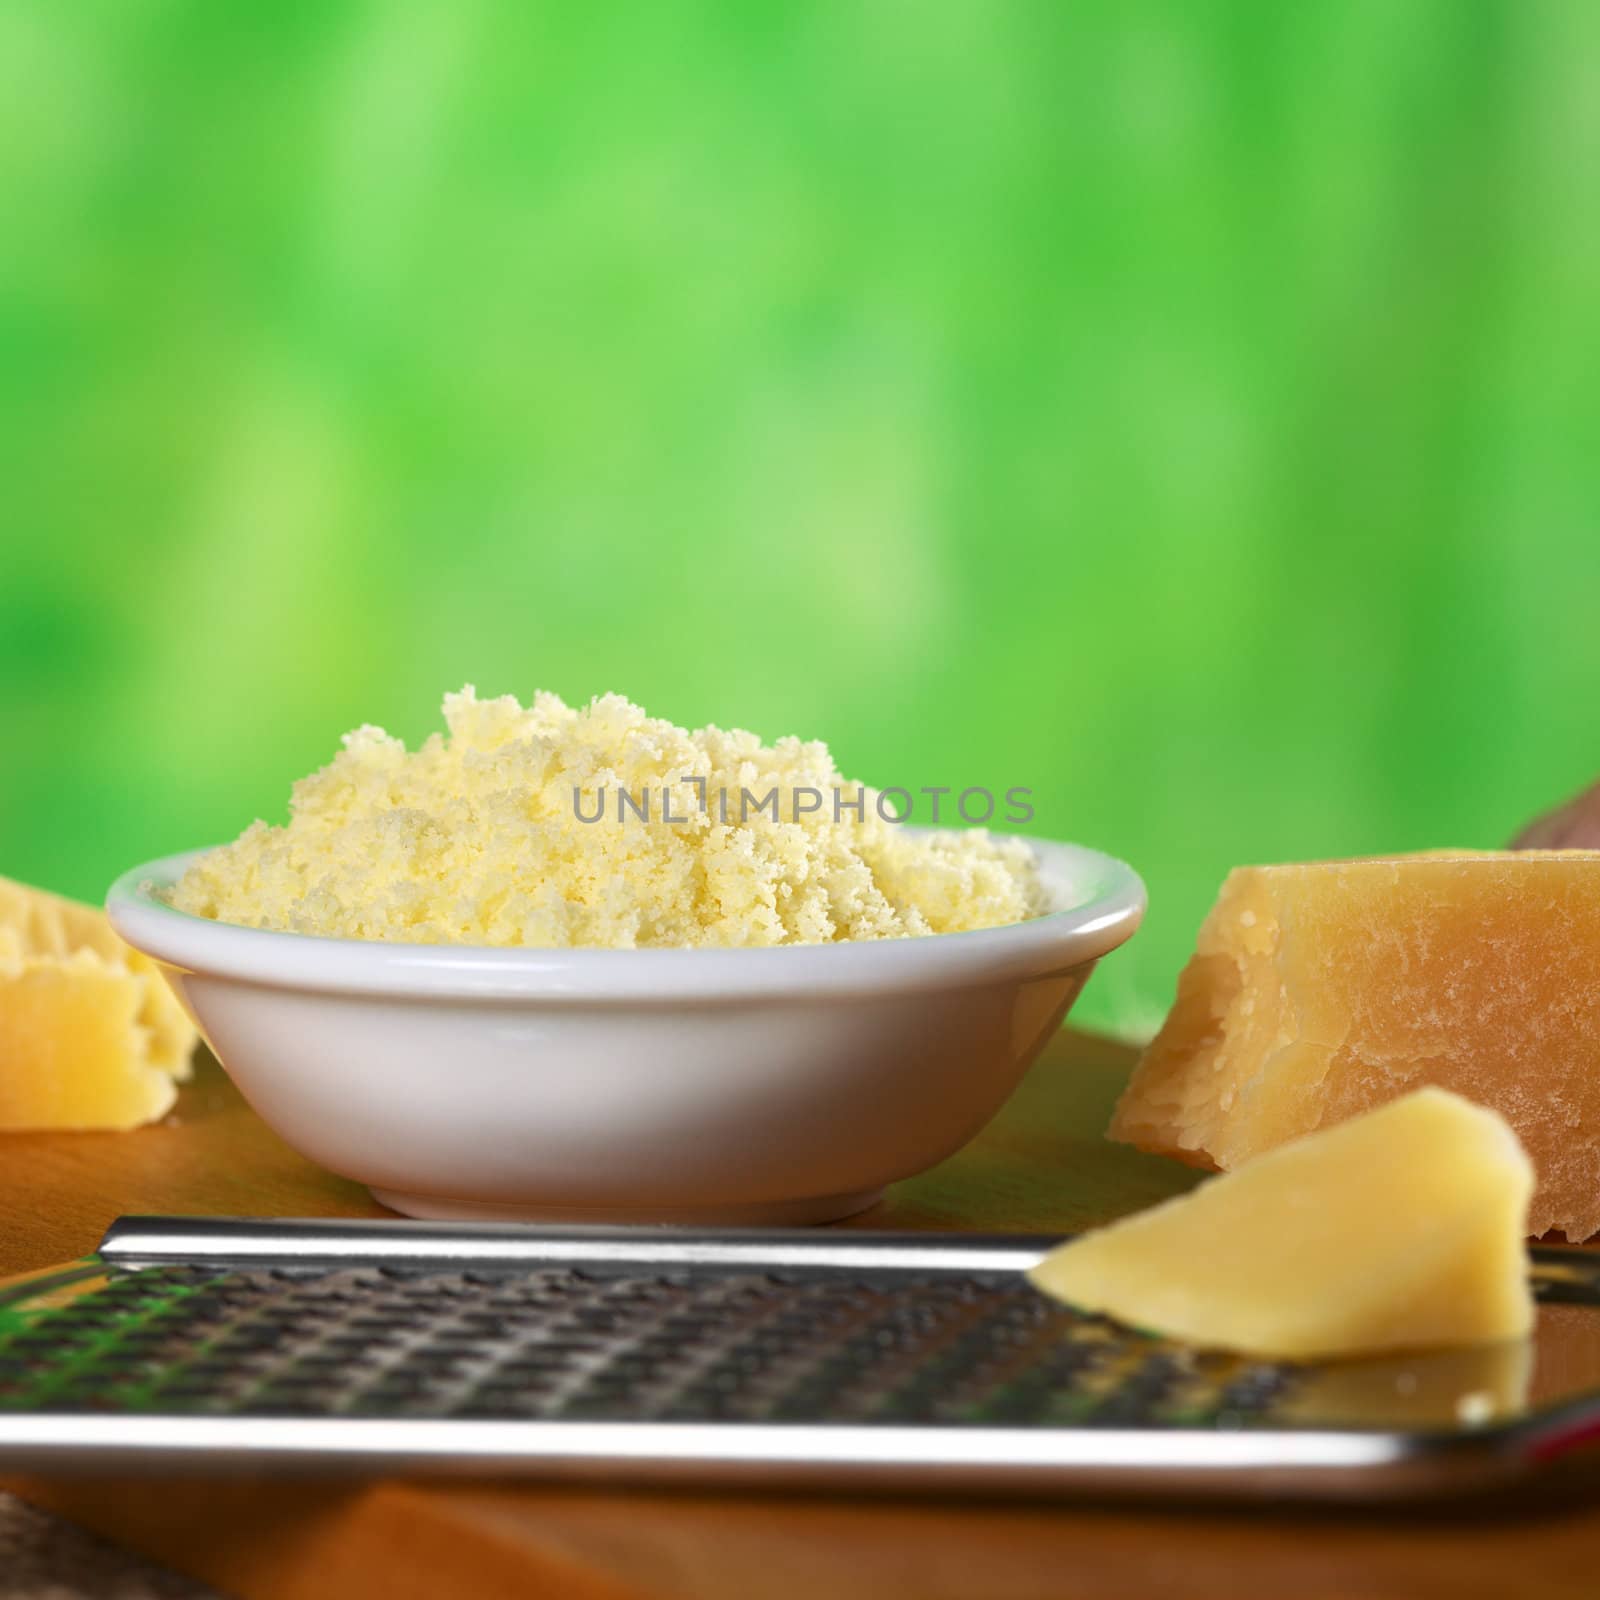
(818, 1358)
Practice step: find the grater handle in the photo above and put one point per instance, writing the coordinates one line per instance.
(1577, 1426)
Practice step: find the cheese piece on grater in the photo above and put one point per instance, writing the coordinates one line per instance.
(1401, 1229)
(90, 1034)
(1320, 990)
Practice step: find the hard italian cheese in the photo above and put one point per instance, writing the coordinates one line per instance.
(90, 1034)
(1399, 1229)
(1320, 990)
(558, 826)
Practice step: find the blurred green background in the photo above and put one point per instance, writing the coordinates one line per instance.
(1189, 410)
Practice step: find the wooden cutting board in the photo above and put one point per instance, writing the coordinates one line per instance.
(1042, 1167)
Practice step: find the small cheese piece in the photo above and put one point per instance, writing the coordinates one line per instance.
(1320, 990)
(1401, 1229)
(90, 1034)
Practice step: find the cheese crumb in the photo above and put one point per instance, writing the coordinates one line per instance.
(478, 837)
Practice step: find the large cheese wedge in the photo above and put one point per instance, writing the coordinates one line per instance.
(1317, 991)
(1399, 1229)
(90, 1034)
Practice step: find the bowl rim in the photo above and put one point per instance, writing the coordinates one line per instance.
(1108, 901)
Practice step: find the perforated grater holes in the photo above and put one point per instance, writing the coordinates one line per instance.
(825, 1358)
(564, 1345)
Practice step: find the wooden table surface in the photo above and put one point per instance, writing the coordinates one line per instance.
(1040, 1168)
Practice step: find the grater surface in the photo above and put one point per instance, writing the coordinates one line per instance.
(796, 1357)
(565, 1344)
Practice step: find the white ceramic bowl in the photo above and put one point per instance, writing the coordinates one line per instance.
(735, 1086)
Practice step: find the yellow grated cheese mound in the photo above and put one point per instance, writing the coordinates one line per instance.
(477, 838)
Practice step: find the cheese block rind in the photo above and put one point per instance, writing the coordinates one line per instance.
(1320, 990)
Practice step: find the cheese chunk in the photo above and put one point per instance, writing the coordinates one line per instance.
(90, 1034)
(1318, 991)
(1399, 1229)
